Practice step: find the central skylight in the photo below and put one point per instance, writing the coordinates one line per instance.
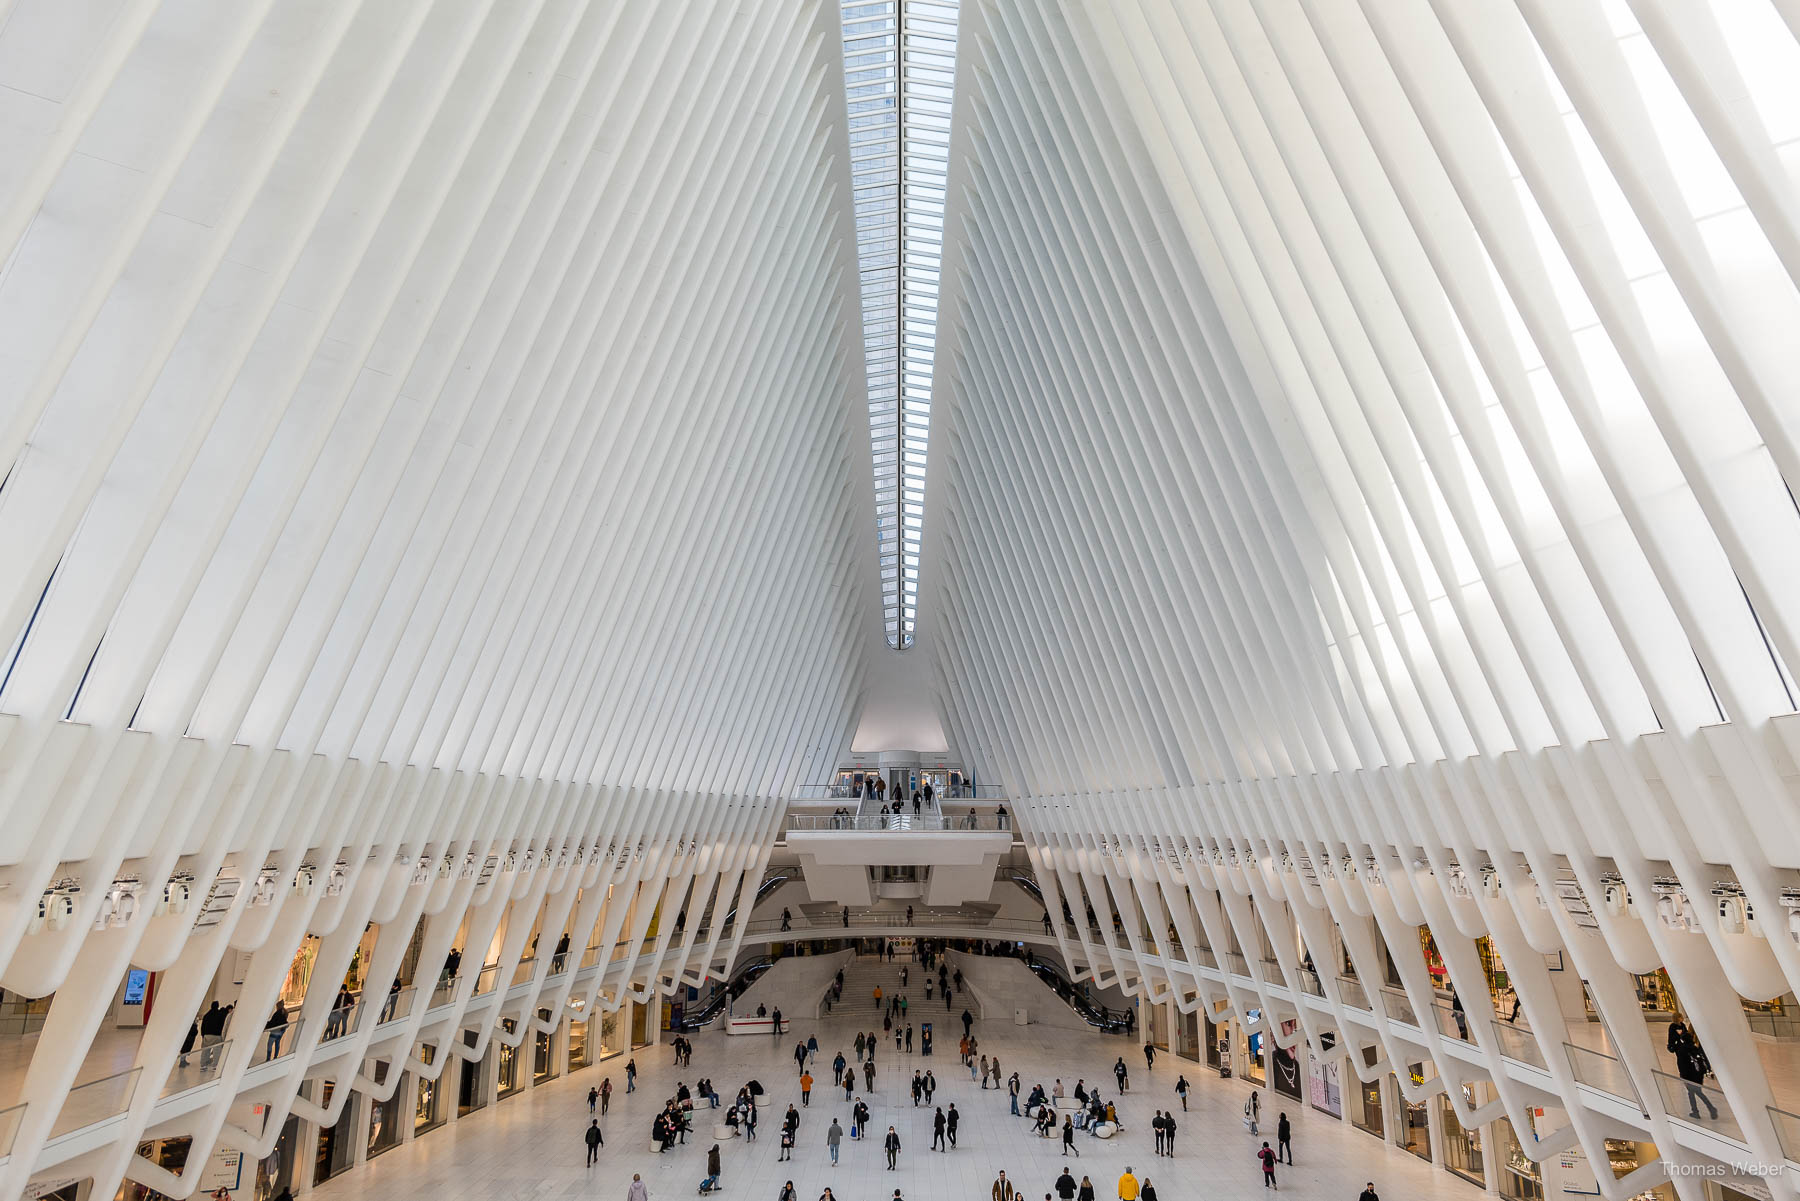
(899, 76)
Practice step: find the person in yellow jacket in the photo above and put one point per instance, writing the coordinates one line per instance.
(1128, 1186)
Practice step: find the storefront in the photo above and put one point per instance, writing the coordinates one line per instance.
(640, 1025)
(1252, 1048)
(543, 1053)
(428, 1096)
(1366, 1109)
(609, 1035)
(1412, 1130)
(1626, 1156)
(1218, 1043)
(1324, 1085)
(1187, 1035)
(275, 1174)
(471, 1092)
(578, 1044)
(1521, 1178)
(336, 1151)
(511, 1080)
(1462, 1146)
(385, 1116)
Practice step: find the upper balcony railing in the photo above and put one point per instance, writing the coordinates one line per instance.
(990, 823)
(847, 792)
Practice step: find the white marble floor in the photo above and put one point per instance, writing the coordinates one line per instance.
(530, 1145)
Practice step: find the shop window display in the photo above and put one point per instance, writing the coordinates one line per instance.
(1413, 1129)
(1366, 1110)
(1462, 1146)
(511, 1079)
(1521, 1178)
(428, 1095)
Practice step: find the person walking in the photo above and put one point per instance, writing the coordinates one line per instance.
(1068, 1133)
(1156, 1128)
(1369, 1193)
(878, 997)
(593, 1100)
(1284, 1134)
(812, 1048)
(1120, 1073)
(1086, 1191)
(918, 1088)
(713, 1166)
(637, 1191)
(787, 1143)
(1253, 1112)
(1003, 1189)
(968, 1019)
(869, 1074)
(595, 1140)
(605, 1095)
(276, 1026)
(950, 1121)
(787, 920)
(800, 1057)
(892, 1145)
(1268, 1166)
(1690, 1062)
(787, 1193)
(630, 1076)
(806, 1082)
(937, 1130)
(1169, 1134)
(834, 1136)
(979, 1072)
(849, 1081)
(859, 1046)
(775, 1019)
(1128, 1185)
(1181, 1090)
(1065, 1185)
(1012, 1087)
(1146, 1190)
(1149, 1056)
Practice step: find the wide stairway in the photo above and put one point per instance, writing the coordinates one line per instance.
(863, 973)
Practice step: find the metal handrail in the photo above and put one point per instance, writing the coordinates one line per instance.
(900, 823)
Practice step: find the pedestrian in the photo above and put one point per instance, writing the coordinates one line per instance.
(812, 1048)
(1146, 1191)
(1369, 1193)
(909, 1031)
(1253, 1112)
(593, 1099)
(637, 1191)
(893, 1150)
(1181, 1090)
(878, 996)
(776, 1019)
(595, 1140)
(1128, 1185)
(869, 1073)
(788, 1193)
(833, 1136)
(1284, 1133)
(968, 1019)
(212, 1033)
(1169, 1134)
(1690, 1062)
(806, 1082)
(787, 920)
(276, 1026)
(1012, 1088)
(979, 1073)
(605, 1095)
(937, 1130)
(1068, 1133)
(1156, 1128)
(1120, 1074)
(630, 1076)
(1268, 1166)
(1003, 1189)
(787, 1144)
(1086, 1192)
(849, 1079)
(859, 1046)
(1065, 1185)
(713, 1166)
(1149, 1056)
(951, 1119)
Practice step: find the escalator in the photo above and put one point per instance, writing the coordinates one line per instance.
(719, 999)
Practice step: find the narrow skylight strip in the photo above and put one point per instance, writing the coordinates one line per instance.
(899, 80)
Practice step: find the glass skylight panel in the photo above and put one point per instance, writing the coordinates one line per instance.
(899, 80)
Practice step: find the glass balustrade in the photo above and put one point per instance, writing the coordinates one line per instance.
(1603, 1072)
(198, 1067)
(1698, 1104)
(1518, 1044)
(10, 1120)
(101, 1100)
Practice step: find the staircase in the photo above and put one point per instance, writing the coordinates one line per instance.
(865, 972)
